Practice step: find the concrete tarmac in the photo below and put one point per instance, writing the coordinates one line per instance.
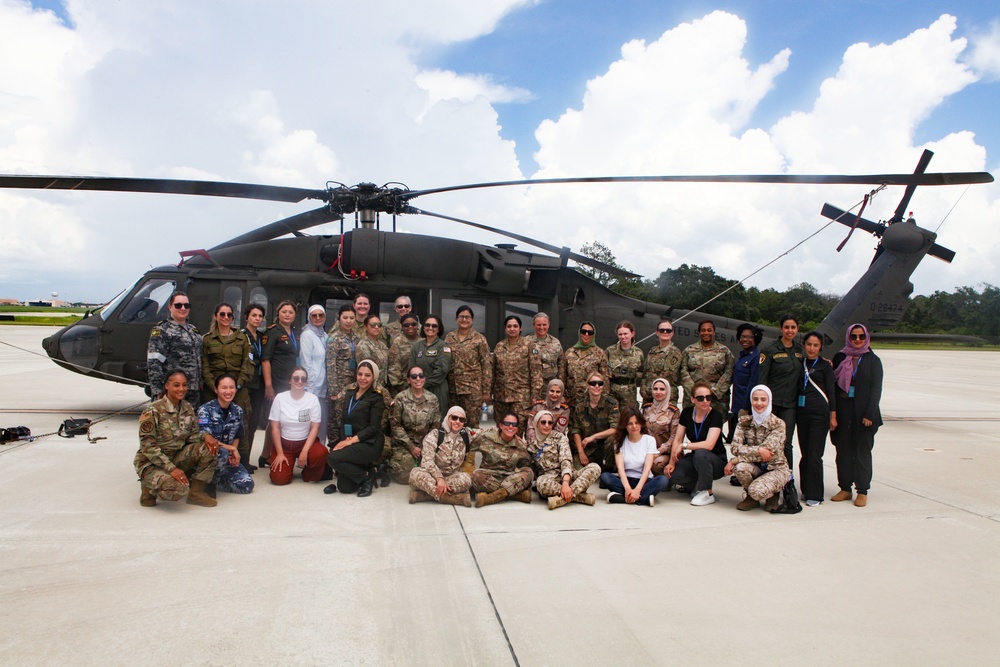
(290, 576)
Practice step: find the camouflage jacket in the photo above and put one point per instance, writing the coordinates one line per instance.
(499, 455)
(662, 362)
(359, 333)
(471, 364)
(444, 459)
(376, 351)
(577, 365)
(226, 355)
(517, 371)
(411, 418)
(713, 365)
(164, 429)
(561, 413)
(749, 438)
(398, 364)
(173, 346)
(550, 353)
(341, 366)
(662, 426)
(587, 421)
(552, 455)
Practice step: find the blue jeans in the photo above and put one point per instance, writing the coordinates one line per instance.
(654, 484)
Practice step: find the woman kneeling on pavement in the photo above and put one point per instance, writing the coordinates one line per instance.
(295, 417)
(759, 453)
(439, 476)
(635, 449)
(553, 463)
(224, 420)
(170, 445)
(354, 457)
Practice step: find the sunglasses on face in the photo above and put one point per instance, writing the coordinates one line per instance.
(417, 376)
(298, 378)
(702, 399)
(317, 315)
(665, 330)
(596, 383)
(546, 422)
(181, 305)
(586, 332)
(509, 424)
(858, 336)
(225, 316)
(409, 325)
(431, 326)
(375, 325)
(456, 418)
(403, 306)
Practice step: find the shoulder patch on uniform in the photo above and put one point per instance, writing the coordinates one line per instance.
(762, 357)
(145, 426)
(446, 349)
(155, 333)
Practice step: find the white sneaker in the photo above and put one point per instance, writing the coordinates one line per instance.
(813, 503)
(650, 500)
(703, 498)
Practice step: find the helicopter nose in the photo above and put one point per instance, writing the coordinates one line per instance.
(78, 345)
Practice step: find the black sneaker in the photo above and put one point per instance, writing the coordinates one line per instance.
(616, 498)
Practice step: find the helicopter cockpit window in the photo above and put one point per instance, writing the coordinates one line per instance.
(258, 295)
(114, 303)
(526, 311)
(449, 306)
(233, 295)
(149, 304)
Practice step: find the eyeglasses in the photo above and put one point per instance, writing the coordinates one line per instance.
(509, 424)
(180, 305)
(403, 306)
(596, 383)
(298, 378)
(464, 317)
(431, 326)
(318, 314)
(858, 336)
(375, 325)
(417, 376)
(225, 316)
(456, 418)
(702, 399)
(665, 330)
(586, 332)
(546, 422)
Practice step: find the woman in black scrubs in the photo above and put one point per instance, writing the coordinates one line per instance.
(858, 372)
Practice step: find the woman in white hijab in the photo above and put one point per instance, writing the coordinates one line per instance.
(759, 453)
(662, 420)
(552, 461)
(439, 476)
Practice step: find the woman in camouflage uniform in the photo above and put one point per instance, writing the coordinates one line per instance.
(439, 476)
(225, 350)
(372, 346)
(517, 373)
(759, 440)
(625, 361)
(399, 353)
(662, 420)
(580, 361)
(413, 414)
(593, 422)
(552, 460)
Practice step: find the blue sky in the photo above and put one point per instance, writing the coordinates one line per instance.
(449, 91)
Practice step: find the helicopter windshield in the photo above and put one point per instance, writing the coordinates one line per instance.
(111, 305)
(149, 302)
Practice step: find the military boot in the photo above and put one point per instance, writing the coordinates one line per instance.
(748, 503)
(462, 499)
(524, 496)
(556, 501)
(417, 496)
(197, 495)
(497, 496)
(584, 498)
(147, 498)
(772, 503)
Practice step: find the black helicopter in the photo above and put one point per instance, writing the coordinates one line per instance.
(439, 274)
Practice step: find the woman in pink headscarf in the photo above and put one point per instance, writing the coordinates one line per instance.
(858, 372)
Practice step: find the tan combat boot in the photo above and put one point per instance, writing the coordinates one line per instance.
(490, 498)
(417, 496)
(748, 503)
(462, 499)
(198, 496)
(147, 498)
(772, 503)
(556, 501)
(585, 498)
(524, 496)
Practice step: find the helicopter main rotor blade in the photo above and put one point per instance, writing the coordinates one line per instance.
(287, 225)
(925, 159)
(163, 186)
(579, 259)
(950, 178)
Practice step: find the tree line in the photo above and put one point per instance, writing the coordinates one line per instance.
(966, 311)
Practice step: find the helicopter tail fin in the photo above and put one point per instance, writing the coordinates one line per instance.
(880, 298)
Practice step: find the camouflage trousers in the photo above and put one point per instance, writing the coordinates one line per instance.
(626, 395)
(401, 462)
(471, 403)
(760, 486)
(550, 484)
(519, 408)
(195, 460)
(488, 481)
(421, 480)
(231, 478)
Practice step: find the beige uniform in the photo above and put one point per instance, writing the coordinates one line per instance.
(550, 353)
(517, 378)
(577, 366)
(747, 460)
(471, 376)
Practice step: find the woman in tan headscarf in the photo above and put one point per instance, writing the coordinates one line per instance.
(661, 420)
(552, 460)
(439, 476)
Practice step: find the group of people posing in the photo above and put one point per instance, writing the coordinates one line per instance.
(372, 403)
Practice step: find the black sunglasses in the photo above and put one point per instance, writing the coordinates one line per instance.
(665, 330)
(508, 424)
(702, 399)
(858, 336)
(417, 376)
(227, 316)
(180, 306)
(596, 383)
(586, 332)
(456, 418)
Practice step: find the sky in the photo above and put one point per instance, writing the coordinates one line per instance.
(440, 92)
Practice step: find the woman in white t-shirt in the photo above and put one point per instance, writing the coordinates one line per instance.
(635, 448)
(295, 417)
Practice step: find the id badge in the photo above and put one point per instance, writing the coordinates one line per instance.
(850, 392)
(802, 401)
(348, 430)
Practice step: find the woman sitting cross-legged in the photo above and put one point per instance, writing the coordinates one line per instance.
(439, 476)
(552, 460)
(635, 449)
